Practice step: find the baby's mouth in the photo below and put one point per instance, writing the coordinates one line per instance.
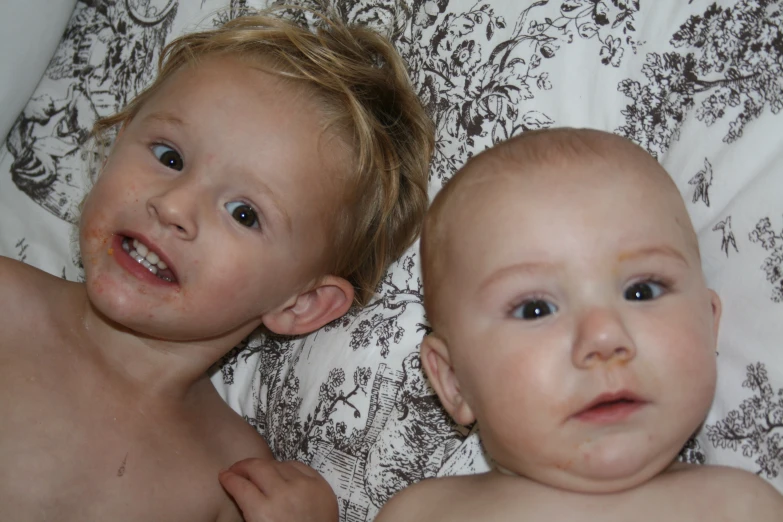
(611, 407)
(610, 404)
(148, 259)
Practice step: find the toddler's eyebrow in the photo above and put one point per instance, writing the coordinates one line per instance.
(274, 201)
(663, 250)
(165, 117)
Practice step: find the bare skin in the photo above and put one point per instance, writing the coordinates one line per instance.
(685, 493)
(108, 413)
(83, 441)
(571, 320)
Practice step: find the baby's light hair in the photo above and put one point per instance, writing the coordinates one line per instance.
(561, 147)
(362, 85)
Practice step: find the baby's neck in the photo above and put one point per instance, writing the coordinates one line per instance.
(675, 466)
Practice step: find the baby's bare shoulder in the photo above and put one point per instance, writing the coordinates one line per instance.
(488, 496)
(735, 493)
(428, 500)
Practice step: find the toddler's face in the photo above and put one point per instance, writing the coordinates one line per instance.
(224, 180)
(578, 323)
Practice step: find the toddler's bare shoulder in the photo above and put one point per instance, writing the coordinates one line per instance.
(20, 280)
(26, 292)
(237, 439)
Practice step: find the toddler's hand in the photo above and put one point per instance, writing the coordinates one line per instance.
(270, 491)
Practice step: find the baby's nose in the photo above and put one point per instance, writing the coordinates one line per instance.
(602, 336)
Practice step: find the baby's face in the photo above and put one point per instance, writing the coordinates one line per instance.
(223, 177)
(578, 323)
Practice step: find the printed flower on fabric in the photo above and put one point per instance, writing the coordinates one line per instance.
(611, 52)
(455, 49)
(465, 57)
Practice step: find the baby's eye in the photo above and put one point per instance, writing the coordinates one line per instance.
(243, 213)
(168, 156)
(534, 309)
(644, 291)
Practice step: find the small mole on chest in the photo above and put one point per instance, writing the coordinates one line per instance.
(121, 471)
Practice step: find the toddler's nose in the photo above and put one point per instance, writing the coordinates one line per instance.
(602, 337)
(176, 208)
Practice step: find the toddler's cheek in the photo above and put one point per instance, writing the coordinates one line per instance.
(94, 242)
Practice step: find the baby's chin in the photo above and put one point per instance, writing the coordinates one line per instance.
(612, 474)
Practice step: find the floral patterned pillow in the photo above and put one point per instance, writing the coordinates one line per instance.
(698, 84)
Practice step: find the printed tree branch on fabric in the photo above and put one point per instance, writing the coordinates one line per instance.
(757, 426)
(738, 63)
(773, 264)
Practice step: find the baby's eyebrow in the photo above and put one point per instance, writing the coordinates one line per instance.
(652, 251)
(532, 268)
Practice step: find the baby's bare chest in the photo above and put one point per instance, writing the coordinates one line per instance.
(70, 450)
(497, 498)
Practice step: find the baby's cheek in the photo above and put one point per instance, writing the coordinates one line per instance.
(691, 371)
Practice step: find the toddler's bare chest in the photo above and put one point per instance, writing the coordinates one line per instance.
(75, 453)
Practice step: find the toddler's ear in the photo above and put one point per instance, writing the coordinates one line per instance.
(437, 364)
(329, 299)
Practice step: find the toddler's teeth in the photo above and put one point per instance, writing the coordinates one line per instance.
(144, 256)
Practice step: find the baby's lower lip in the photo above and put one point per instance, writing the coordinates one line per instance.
(610, 412)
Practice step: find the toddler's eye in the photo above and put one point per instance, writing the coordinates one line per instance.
(644, 291)
(535, 309)
(243, 213)
(168, 156)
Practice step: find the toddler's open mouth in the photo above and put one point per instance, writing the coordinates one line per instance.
(148, 259)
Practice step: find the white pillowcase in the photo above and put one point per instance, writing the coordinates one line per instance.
(29, 33)
(696, 83)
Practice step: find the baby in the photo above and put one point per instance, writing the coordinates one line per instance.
(267, 178)
(571, 320)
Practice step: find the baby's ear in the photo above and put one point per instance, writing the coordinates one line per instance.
(329, 299)
(437, 364)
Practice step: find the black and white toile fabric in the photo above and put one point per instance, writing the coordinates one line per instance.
(699, 84)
